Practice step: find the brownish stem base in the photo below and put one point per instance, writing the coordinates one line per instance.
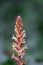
(20, 62)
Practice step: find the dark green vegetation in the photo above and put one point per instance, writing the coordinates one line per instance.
(32, 15)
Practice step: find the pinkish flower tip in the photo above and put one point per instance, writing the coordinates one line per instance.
(19, 18)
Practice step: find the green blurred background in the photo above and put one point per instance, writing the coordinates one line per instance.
(31, 12)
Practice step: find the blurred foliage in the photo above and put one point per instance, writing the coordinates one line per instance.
(32, 14)
(9, 62)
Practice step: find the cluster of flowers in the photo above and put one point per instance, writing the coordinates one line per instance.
(19, 46)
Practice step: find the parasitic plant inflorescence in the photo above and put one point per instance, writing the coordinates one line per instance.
(19, 46)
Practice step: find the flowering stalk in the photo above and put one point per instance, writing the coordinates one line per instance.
(19, 41)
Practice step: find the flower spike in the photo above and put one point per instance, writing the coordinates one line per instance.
(19, 41)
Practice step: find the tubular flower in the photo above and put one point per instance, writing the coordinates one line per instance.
(19, 41)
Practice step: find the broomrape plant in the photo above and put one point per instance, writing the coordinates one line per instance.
(18, 45)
